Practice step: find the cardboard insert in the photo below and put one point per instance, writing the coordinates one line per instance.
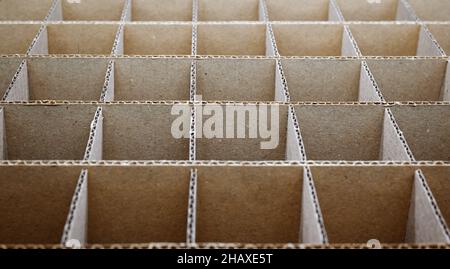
(89, 10)
(249, 204)
(363, 10)
(8, 68)
(410, 80)
(157, 39)
(34, 203)
(236, 80)
(228, 10)
(46, 132)
(442, 34)
(155, 10)
(431, 10)
(17, 37)
(24, 10)
(427, 130)
(231, 39)
(151, 79)
(298, 10)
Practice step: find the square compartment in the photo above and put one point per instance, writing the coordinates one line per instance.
(17, 38)
(24, 10)
(157, 10)
(8, 68)
(90, 10)
(431, 10)
(298, 10)
(364, 10)
(228, 10)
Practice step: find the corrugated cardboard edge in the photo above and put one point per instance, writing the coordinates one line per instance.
(107, 94)
(392, 145)
(94, 148)
(18, 88)
(192, 208)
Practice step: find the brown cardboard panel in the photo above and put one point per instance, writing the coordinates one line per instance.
(8, 68)
(18, 90)
(152, 79)
(409, 80)
(81, 38)
(47, 132)
(92, 10)
(308, 39)
(438, 179)
(143, 132)
(24, 10)
(236, 80)
(386, 39)
(168, 39)
(249, 205)
(322, 80)
(66, 78)
(363, 203)
(34, 203)
(363, 10)
(298, 10)
(231, 39)
(156, 10)
(2, 135)
(431, 10)
(442, 35)
(137, 204)
(427, 130)
(17, 38)
(351, 133)
(228, 10)
(264, 139)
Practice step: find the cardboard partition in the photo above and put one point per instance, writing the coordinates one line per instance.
(351, 133)
(8, 68)
(35, 202)
(368, 88)
(94, 148)
(249, 204)
(2, 135)
(80, 38)
(144, 132)
(156, 10)
(228, 10)
(236, 80)
(241, 132)
(90, 10)
(442, 34)
(151, 79)
(393, 40)
(410, 80)
(17, 38)
(160, 39)
(231, 39)
(298, 10)
(363, 10)
(317, 80)
(427, 130)
(18, 89)
(108, 85)
(359, 204)
(431, 10)
(57, 132)
(309, 39)
(137, 204)
(24, 10)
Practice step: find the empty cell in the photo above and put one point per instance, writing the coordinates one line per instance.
(431, 10)
(144, 132)
(228, 10)
(8, 67)
(364, 10)
(359, 204)
(17, 38)
(81, 38)
(137, 204)
(24, 10)
(298, 10)
(35, 202)
(309, 39)
(322, 80)
(59, 132)
(410, 80)
(151, 79)
(427, 130)
(438, 179)
(156, 10)
(231, 39)
(90, 10)
(442, 34)
(79, 79)
(241, 132)
(160, 39)
(236, 80)
(249, 204)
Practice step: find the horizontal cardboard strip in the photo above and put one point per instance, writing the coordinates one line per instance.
(297, 10)
(228, 10)
(156, 10)
(24, 10)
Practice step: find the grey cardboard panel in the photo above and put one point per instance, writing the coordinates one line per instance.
(249, 205)
(270, 42)
(349, 47)
(392, 148)
(293, 148)
(94, 148)
(426, 129)
(363, 203)
(438, 181)
(19, 89)
(297, 10)
(426, 46)
(262, 12)
(41, 44)
(152, 79)
(334, 13)
(228, 10)
(442, 34)
(137, 204)
(24, 10)
(56, 14)
(368, 91)
(405, 12)
(2, 135)
(127, 11)
(357, 10)
(92, 10)
(8, 68)
(431, 10)
(351, 133)
(142, 132)
(17, 38)
(446, 86)
(168, 10)
(281, 94)
(47, 132)
(119, 42)
(236, 80)
(34, 203)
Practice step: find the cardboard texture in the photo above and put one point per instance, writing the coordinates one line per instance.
(441, 33)
(363, 10)
(298, 10)
(431, 10)
(155, 10)
(92, 10)
(2, 135)
(18, 89)
(18, 37)
(24, 10)
(8, 68)
(228, 10)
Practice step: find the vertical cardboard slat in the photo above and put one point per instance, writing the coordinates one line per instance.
(108, 92)
(426, 45)
(280, 84)
(294, 142)
(393, 146)
(19, 90)
(262, 15)
(118, 48)
(405, 12)
(40, 45)
(446, 87)
(348, 45)
(334, 13)
(94, 149)
(126, 13)
(2, 135)
(368, 89)
(192, 208)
